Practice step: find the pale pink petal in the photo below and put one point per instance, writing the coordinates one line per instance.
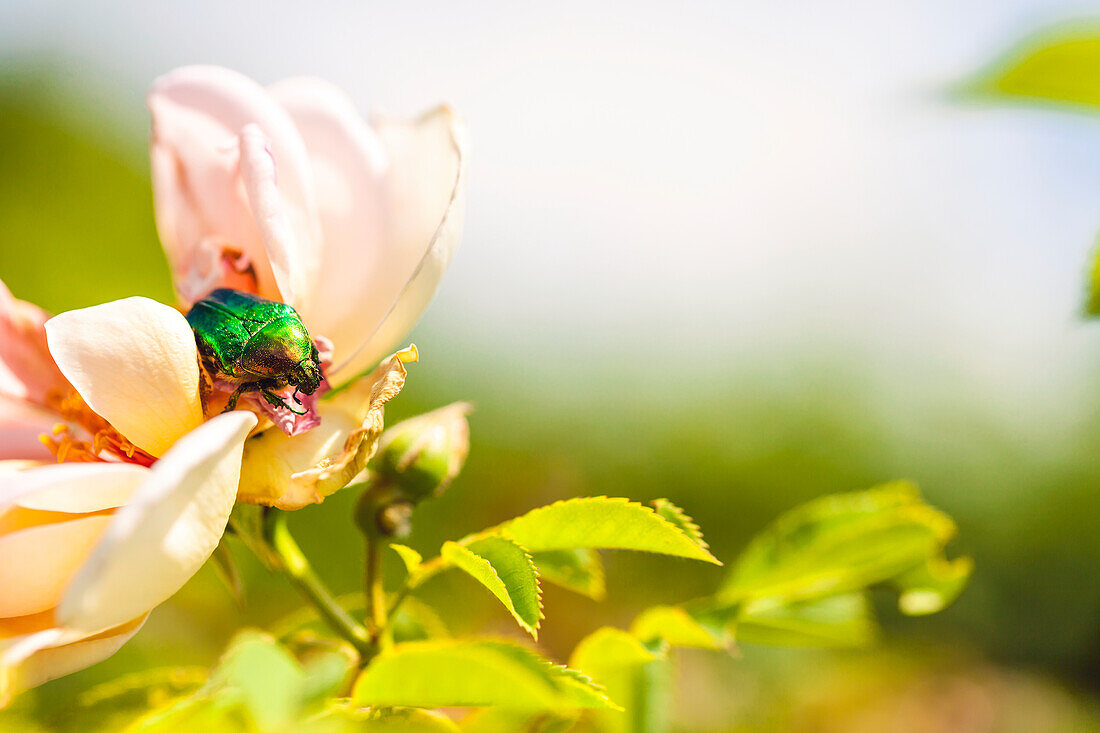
(163, 536)
(37, 563)
(41, 656)
(349, 167)
(198, 115)
(424, 201)
(293, 266)
(27, 371)
(135, 363)
(21, 424)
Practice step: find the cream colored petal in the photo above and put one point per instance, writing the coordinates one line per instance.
(166, 532)
(37, 563)
(74, 487)
(424, 200)
(39, 657)
(134, 362)
(290, 473)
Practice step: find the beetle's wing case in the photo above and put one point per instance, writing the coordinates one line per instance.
(225, 323)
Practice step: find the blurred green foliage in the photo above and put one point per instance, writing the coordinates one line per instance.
(745, 441)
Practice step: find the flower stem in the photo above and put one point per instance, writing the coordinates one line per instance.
(376, 597)
(295, 566)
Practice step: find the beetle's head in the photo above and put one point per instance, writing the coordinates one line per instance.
(306, 376)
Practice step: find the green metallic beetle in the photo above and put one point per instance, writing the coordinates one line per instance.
(259, 344)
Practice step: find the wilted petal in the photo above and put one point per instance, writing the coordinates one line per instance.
(424, 198)
(199, 155)
(359, 268)
(27, 371)
(135, 363)
(38, 657)
(289, 473)
(167, 531)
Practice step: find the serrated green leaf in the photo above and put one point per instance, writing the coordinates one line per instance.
(1060, 66)
(507, 570)
(601, 523)
(679, 517)
(410, 557)
(635, 677)
(837, 621)
(673, 624)
(839, 543)
(931, 587)
(472, 673)
(580, 571)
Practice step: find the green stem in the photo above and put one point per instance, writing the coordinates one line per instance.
(376, 597)
(426, 571)
(295, 566)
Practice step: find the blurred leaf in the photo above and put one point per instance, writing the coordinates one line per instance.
(506, 570)
(1092, 288)
(257, 685)
(496, 720)
(390, 720)
(1063, 66)
(472, 674)
(679, 517)
(247, 524)
(635, 677)
(837, 621)
(931, 587)
(417, 621)
(673, 624)
(602, 523)
(580, 571)
(410, 557)
(226, 569)
(839, 543)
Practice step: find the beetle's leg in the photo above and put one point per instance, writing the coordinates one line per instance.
(275, 400)
(232, 404)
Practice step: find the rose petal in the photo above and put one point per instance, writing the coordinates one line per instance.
(27, 371)
(135, 363)
(33, 659)
(198, 114)
(349, 166)
(289, 473)
(167, 531)
(424, 198)
(38, 562)
(21, 424)
(74, 488)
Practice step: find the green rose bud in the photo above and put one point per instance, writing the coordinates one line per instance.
(421, 456)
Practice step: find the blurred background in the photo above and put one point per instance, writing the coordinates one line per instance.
(737, 255)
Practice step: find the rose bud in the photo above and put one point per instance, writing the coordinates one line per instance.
(422, 455)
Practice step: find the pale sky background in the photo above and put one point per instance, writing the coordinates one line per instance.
(700, 180)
